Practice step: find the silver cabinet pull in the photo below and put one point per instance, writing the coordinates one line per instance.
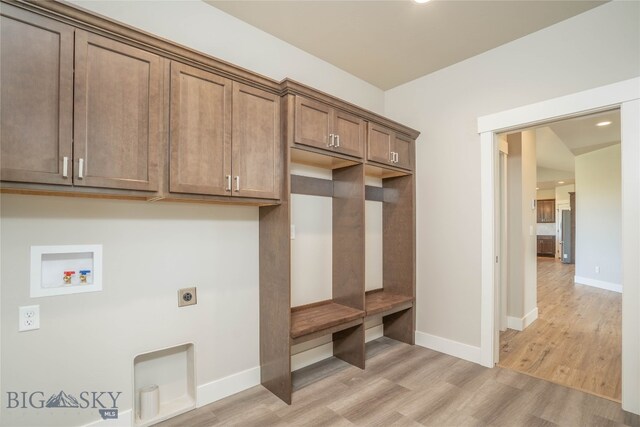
(228, 177)
(65, 167)
(337, 141)
(80, 168)
(391, 156)
(237, 183)
(331, 139)
(397, 157)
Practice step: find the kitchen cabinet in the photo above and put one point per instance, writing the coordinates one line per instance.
(386, 146)
(117, 114)
(224, 136)
(546, 245)
(36, 99)
(321, 126)
(98, 128)
(546, 211)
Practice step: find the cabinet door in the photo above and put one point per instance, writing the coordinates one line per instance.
(551, 211)
(379, 144)
(256, 159)
(36, 98)
(350, 133)
(404, 148)
(200, 132)
(118, 113)
(313, 123)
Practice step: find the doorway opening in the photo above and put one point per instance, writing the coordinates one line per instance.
(560, 280)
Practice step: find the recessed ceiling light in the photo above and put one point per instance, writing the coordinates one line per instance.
(537, 188)
(607, 123)
(420, 1)
(560, 182)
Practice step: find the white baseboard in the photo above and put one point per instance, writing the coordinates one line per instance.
(450, 347)
(123, 420)
(520, 323)
(373, 333)
(218, 389)
(311, 356)
(615, 287)
(324, 351)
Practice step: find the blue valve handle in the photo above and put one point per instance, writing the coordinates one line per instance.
(85, 272)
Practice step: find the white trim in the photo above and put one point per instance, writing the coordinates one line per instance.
(601, 98)
(514, 323)
(223, 387)
(123, 420)
(521, 323)
(373, 333)
(487, 184)
(615, 287)
(311, 356)
(529, 318)
(629, 113)
(452, 348)
(623, 95)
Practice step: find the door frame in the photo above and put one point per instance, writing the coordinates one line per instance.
(624, 95)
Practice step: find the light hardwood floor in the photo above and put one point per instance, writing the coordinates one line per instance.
(407, 385)
(576, 340)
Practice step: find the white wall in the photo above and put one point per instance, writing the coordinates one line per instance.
(562, 194)
(599, 217)
(595, 48)
(546, 194)
(88, 341)
(521, 226)
(151, 249)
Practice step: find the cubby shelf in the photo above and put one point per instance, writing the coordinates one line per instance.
(325, 317)
(379, 301)
(323, 132)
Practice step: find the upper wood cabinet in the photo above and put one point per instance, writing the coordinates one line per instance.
(36, 99)
(256, 143)
(389, 147)
(546, 211)
(321, 126)
(99, 128)
(224, 136)
(118, 114)
(200, 132)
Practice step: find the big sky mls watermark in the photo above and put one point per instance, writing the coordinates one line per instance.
(106, 402)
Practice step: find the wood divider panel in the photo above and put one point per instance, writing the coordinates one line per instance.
(348, 257)
(275, 287)
(399, 252)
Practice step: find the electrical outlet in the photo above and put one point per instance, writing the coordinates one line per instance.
(28, 318)
(187, 296)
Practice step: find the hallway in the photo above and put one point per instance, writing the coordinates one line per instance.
(576, 340)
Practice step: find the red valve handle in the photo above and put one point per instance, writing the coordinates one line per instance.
(69, 273)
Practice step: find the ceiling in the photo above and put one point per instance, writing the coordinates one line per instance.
(388, 43)
(559, 142)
